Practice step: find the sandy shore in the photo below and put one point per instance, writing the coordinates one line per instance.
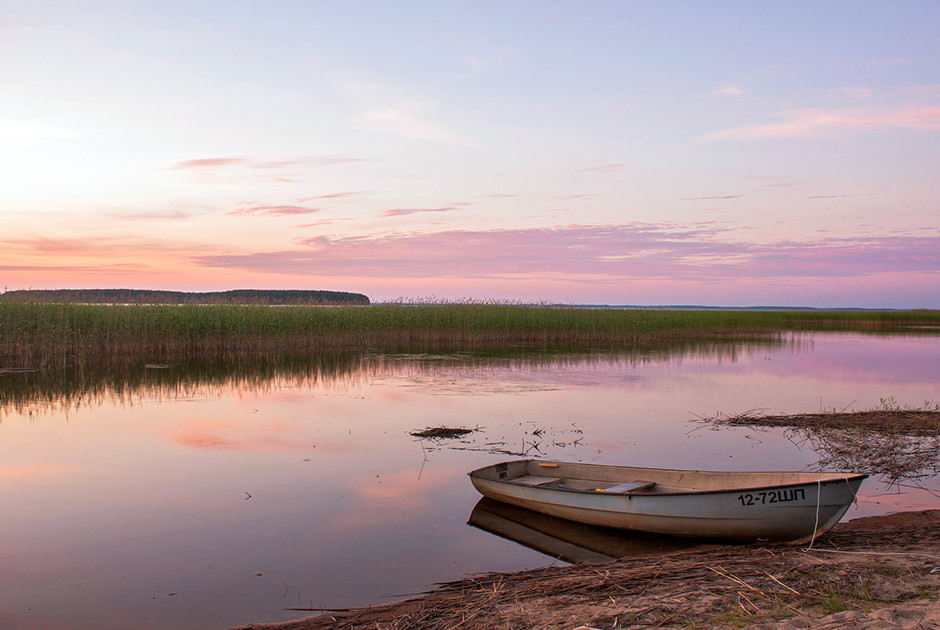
(876, 572)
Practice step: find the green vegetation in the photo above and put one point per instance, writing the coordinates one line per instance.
(54, 334)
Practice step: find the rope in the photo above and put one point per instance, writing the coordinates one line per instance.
(816, 524)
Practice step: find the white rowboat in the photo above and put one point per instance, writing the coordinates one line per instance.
(785, 506)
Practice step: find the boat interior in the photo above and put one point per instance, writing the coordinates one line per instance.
(629, 480)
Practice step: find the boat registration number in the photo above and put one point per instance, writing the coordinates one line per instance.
(772, 496)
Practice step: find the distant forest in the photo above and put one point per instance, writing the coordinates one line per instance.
(292, 297)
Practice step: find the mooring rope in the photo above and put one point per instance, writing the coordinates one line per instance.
(816, 524)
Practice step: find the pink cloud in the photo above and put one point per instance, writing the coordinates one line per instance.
(604, 168)
(272, 211)
(207, 163)
(712, 198)
(827, 196)
(322, 222)
(608, 253)
(94, 245)
(398, 212)
(155, 215)
(204, 164)
(573, 197)
(331, 196)
(816, 123)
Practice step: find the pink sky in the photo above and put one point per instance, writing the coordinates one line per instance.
(528, 154)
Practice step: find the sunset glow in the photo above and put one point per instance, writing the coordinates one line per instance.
(602, 153)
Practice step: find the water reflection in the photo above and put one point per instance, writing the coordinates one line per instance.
(248, 487)
(567, 540)
(32, 392)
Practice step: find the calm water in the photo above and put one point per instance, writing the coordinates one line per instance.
(206, 496)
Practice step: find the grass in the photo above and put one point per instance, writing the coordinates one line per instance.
(48, 335)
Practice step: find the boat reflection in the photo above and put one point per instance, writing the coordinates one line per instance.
(569, 541)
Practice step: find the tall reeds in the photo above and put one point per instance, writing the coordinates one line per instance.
(47, 335)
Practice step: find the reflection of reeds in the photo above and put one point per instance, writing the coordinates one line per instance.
(126, 380)
(40, 335)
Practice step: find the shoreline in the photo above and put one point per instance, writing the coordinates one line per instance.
(877, 571)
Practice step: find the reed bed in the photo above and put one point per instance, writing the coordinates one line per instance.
(48, 335)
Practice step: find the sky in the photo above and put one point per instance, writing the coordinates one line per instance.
(602, 152)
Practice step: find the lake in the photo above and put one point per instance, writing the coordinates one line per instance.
(212, 494)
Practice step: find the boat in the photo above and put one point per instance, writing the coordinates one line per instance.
(571, 542)
(741, 506)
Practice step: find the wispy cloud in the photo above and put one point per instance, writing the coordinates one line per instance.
(409, 122)
(818, 123)
(773, 181)
(573, 197)
(603, 168)
(207, 163)
(728, 90)
(712, 198)
(322, 222)
(827, 196)
(155, 215)
(338, 195)
(398, 212)
(272, 211)
(226, 163)
(94, 245)
(484, 62)
(626, 251)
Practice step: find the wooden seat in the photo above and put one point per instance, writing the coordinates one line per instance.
(629, 486)
(535, 480)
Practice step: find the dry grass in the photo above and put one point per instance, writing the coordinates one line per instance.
(899, 443)
(713, 587)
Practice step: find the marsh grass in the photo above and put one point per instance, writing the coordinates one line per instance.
(55, 335)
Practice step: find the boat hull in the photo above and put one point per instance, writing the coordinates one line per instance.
(783, 511)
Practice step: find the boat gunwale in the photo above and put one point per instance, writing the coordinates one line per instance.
(846, 477)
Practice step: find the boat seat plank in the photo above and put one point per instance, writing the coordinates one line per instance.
(629, 486)
(535, 480)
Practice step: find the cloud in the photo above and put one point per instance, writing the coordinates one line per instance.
(779, 181)
(820, 123)
(572, 197)
(852, 93)
(603, 168)
(122, 244)
(728, 90)
(272, 211)
(408, 122)
(152, 215)
(338, 195)
(477, 64)
(214, 164)
(827, 196)
(322, 222)
(614, 253)
(207, 163)
(713, 198)
(398, 212)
